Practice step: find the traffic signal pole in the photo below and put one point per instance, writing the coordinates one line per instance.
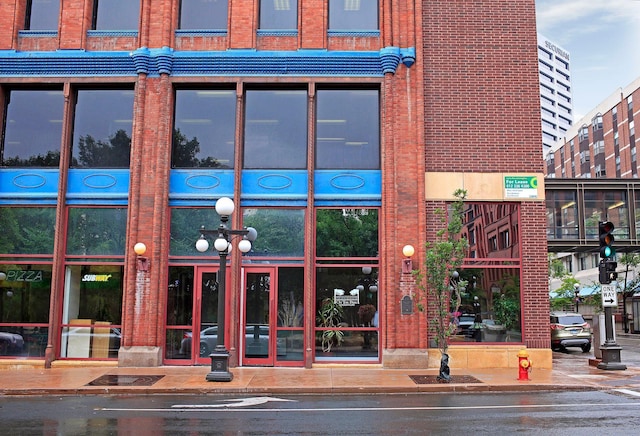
(606, 274)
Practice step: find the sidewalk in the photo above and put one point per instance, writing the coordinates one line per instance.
(567, 374)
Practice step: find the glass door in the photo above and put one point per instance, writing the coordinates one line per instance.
(258, 326)
(205, 333)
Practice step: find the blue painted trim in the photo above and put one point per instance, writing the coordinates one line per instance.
(290, 185)
(81, 63)
(348, 185)
(191, 187)
(200, 32)
(273, 203)
(277, 32)
(350, 203)
(352, 33)
(109, 185)
(111, 33)
(37, 33)
(28, 185)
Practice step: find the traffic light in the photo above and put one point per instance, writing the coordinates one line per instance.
(605, 230)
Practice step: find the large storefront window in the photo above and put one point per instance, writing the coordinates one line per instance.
(275, 130)
(204, 129)
(348, 129)
(33, 128)
(102, 129)
(490, 309)
(96, 231)
(280, 234)
(25, 285)
(346, 297)
(92, 311)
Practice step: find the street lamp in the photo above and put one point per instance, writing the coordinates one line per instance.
(222, 244)
(576, 290)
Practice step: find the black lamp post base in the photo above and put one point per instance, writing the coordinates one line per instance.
(219, 366)
(611, 358)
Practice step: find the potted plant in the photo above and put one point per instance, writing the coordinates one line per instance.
(329, 316)
(506, 311)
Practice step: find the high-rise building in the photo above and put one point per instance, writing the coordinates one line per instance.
(339, 128)
(556, 104)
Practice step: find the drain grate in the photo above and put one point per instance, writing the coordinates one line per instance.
(433, 379)
(125, 380)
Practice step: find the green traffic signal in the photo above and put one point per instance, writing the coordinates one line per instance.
(605, 230)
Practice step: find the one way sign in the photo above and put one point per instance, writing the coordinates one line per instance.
(609, 296)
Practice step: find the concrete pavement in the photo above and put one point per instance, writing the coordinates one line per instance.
(572, 370)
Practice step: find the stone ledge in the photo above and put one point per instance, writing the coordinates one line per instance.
(139, 356)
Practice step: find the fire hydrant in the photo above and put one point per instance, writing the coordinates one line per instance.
(524, 365)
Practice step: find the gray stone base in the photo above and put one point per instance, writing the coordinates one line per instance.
(140, 356)
(401, 358)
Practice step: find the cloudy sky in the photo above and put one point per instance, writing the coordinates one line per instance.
(603, 39)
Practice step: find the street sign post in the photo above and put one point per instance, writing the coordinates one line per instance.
(609, 296)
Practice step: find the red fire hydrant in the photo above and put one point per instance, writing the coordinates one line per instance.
(524, 365)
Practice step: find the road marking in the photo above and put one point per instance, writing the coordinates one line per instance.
(628, 392)
(239, 402)
(226, 408)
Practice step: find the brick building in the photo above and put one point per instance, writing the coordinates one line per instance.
(338, 127)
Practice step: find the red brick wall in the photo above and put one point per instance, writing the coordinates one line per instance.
(482, 98)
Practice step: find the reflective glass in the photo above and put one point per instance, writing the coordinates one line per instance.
(275, 131)
(348, 129)
(562, 215)
(116, 14)
(347, 233)
(353, 14)
(42, 15)
(96, 231)
(278, 14)
(102, 129)
(606, 205)
(280, 232)
(27, 230)
(33, 128)
(203, 14)
(185, 230)
(204, 129)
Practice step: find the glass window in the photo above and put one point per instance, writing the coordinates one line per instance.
(347, 233)
(185, 226)
(204, 129)
(348, 129)
(179, 313)
(606, 206)
(278, 14)
(353, 14)
(25, 292)
(562, 215)
(27, 230)
(490, 307)
(92, 311)
(97, 231)
(203, 14)
(280, 232)
(116, 14)
(102, 129)
(33, 128)
(275, 131)
(42, 15)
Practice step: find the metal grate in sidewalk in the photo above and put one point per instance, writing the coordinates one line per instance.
(125, 380)
(433, 379)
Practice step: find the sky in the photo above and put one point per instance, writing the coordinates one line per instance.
(603, 40)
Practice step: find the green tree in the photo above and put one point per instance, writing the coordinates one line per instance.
(100, 154)
(444, 256)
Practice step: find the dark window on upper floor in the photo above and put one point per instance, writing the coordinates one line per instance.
(32, 128)
(42, 15)
(204, 128)
(275, 129)
(353, 15)
(348, 129)
(116, 14)
(278, 14)
(102, 128)
(203, 14)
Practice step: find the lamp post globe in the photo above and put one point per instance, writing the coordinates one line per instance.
(225, 206)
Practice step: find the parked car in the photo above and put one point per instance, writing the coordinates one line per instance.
(10, 343)
(569, 329)
(256, 340)
(465, 322)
